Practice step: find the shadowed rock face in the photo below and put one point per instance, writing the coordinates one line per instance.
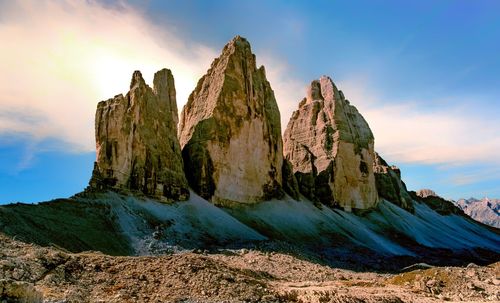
(389, 184)
(136, 140)
(230, 131)
(437, 203)
(330, 147)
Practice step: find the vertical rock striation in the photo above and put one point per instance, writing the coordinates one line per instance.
(230, 131)
(389, 184)
(136, 140)
(330, 147)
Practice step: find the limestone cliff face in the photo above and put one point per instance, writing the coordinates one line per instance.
(330, 147)
(136, 140)
(230, 131)
(389, 184)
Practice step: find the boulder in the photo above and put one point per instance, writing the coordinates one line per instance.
(389, 184)
(230, 131)
(136, 141)
(330, 147)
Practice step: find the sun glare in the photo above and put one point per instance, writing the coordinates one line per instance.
(110, 73)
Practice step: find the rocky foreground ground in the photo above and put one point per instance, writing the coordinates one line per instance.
(30, 273)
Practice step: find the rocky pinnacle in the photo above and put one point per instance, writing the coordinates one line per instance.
(330, 147)
(136, 141)
(230, 131)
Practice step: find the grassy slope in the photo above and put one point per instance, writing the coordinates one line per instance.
(67, 223)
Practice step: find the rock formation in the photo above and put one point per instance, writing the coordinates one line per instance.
(425, 192)
(136, 140)
(389, 184)
(437, 203)
(330, 147)
(230, 131)
(486, 210)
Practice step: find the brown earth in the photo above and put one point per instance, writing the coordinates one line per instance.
(30, 273)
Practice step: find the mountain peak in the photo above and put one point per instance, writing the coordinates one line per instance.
(425, 192)
(164, 88)
(236, 45)
(486, 210)
(239, 41)
(331, 149)
(137, 79)
(130, 155)
(230, 131)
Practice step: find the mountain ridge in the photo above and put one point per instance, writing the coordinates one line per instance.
(484, 210)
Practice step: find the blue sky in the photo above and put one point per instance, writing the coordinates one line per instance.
(425, 74)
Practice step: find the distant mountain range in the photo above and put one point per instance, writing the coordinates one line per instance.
(486, 210)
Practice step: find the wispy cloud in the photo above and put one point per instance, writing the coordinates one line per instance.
(409, 132)
(475, 176)
(59, 58)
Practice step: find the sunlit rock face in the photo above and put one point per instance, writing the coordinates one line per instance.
(136, 140)
(330, 147)
(425, 192)
(389, 184)
(230, 131)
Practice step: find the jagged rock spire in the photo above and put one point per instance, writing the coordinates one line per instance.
(330, 147)
(230, 131)
(136, 140)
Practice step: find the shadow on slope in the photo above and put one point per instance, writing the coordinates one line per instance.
(117, 224)
(384, 239)
(65, 223)
(387, 238)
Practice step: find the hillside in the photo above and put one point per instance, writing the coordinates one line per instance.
(387, 238)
